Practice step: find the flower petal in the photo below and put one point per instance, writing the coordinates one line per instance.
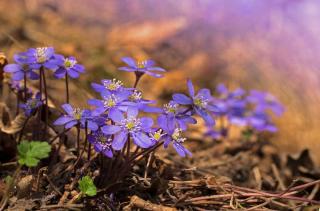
(119, 140)
(63, 120)
(127, 69)
(68, 108)
(156, 75)
(146, 123)
(190, 88)
(206, 116)
(72, 73)
(132, 112)
(95, 102)
(181, 150)
(110, 129)
(129, 61)
(70, 124)
(11, 68)
(182, 99)
(92, 125)
(18, 76)
(115, 115)
(142, 140)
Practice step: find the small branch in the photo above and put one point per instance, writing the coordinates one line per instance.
(63, 206)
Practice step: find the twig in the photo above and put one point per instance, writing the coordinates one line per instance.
(63, 206)
(52, 185)
(137, 202)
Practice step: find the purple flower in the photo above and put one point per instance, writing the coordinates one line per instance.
(200, 102)
(227, 99)
(113, 104)
(16, 86)
(69, 66)
(76, 116)
(31, 105)
(136, 128)
(217, 133)
(20, 69)
(101, 143)
(265, 101)
(261, 122)
(174, 136)
(141, 67)
(237, 113)
(43, 57)
(135, 100)
(108, 87)
(174, 116)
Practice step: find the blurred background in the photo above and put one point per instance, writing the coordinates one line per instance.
(269, 45)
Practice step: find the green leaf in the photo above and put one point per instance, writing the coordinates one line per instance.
(30, 153)
(87, 186)
(8, 179)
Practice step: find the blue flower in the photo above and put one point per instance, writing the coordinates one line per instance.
(200, 102)
(69, 66)
(16, 86)
(174, 136)
(136, 128)
(261, 122)
(76, 116)
(135, 100)
(108, 87)
(101, 143)
(43, 57)
(20, 69)
(31, 105)
(237, 113)
(174, 116)
(265, 101)
(113, 104)
(141, 67)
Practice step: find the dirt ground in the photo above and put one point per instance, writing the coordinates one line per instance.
(270, 46)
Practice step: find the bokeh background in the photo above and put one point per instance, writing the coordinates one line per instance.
(269, 45)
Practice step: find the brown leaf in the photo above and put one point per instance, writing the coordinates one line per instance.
(16, 125)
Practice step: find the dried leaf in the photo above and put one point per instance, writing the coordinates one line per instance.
(16, 124)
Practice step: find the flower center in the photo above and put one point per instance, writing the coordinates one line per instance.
(200, 101)
(32, 103)
(136, 96)
(41, 54)
(68, 63)
(104, 140)
(171, 108)
(157, 135)
(177, 136)
(131, 124)
(141, 64)
(110, 102)
(112, 85)
(77, 113)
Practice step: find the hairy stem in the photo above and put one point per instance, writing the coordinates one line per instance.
(78, 139)
(46, 102)
(25, 87)
(67, 88)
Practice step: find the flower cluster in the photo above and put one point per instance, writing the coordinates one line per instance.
(251, 110)
(28, 64)
(117, 118)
